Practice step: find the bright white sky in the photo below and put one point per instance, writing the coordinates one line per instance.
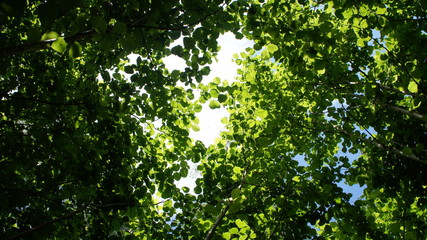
(210, 119)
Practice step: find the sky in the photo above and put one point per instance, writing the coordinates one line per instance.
(225, 68)
(210, 119)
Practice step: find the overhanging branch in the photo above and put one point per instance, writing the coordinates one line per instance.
(217, 221)
(36, 46)
(382, 146)
(404, 111)
(70, 215)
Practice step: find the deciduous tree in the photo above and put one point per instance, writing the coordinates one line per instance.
(91, 144)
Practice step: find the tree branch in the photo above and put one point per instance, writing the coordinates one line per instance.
(217, 221)
(70, 215)
(398, 61)
(125, 204)
(394, 108)
(375, 143)
(420, 19)
(387, 87)
(46, 102)
(382, 146)
(404, 111)
(36, 46)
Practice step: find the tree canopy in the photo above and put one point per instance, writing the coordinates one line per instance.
(92, 145)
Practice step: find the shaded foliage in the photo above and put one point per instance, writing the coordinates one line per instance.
(92, 144)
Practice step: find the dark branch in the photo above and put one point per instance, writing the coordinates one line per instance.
(420, 19)
(70, 215)
(71, 103)
(125, 204)
(36, 46)
(398, 61)
(180, 28)
(217, 221)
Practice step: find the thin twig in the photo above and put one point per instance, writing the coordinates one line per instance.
(398, 61)
(71, 103)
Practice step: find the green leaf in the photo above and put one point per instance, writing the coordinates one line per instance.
(198, 108)
(241, 224)
(395, 228)
(213, 104)
(407, 151)
(174, 35)
(197, 190)
(297, 179)
(235, 193)
(360, 42)
(411, 235)
(328, 229)
(216, 80)
(205, 70)
(264, 141)
(234, 231)
(224, 120)
(175, 74)
(120, 28)
(381, 11)
(222, 98)
(195, 128)
(34, 34)
(348, 13)
(413, 87)
(257, 46)
(49, 35)
(261, 113)
(189, 42)
(272, 48)
(129, 69)
(226, 235)
(214, 93)
(99, 24)
(237, 170)
(129, 43)
(59, 45)
(75, 50)
(106, 76)
(177, 50)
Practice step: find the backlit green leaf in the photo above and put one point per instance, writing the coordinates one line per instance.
(213, 104)
(272, 48)
(235, 193)
(241, 224)
(49, 35)
(59, 45)
(75, 50)
(413, 87)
